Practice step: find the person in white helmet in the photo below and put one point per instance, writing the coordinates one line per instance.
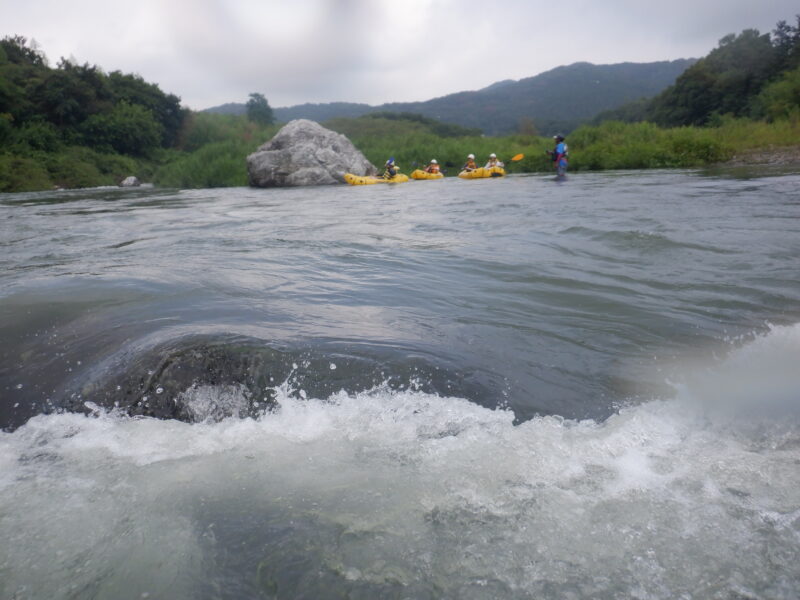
(433, 166)
(493, 162)
(470, 164)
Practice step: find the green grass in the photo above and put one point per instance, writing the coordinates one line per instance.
(610, 145)
(212, 150)
(29, 169)
(218, 164)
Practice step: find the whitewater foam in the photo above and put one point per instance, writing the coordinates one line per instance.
(417, 495)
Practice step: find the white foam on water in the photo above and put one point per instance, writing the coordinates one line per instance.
(406, 493)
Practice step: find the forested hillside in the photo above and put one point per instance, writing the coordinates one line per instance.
(748, 75)
(74, 124)
(557, 100)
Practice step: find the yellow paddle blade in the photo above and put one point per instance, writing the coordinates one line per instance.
(517, 157)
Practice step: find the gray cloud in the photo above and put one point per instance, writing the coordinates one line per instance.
(214, 51)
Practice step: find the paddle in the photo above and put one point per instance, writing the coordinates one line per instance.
(515, 158)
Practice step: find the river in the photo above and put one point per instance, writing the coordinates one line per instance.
(507, 388)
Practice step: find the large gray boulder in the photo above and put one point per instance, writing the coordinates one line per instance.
(305, 153)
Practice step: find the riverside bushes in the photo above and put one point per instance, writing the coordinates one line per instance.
(610, 145)
(212, 150)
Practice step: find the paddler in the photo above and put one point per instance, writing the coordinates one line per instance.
(559, 155)
(390, 169)
(470, 164)
(493, 162)
(433, 166)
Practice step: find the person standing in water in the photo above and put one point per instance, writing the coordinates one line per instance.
(559, 155)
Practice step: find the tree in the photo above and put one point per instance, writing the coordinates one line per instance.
(166, 108)
(127, 129)
(786, 40)
(724, 82)
(18, 50)
(69, 94)
(259, 111)
(781, 98)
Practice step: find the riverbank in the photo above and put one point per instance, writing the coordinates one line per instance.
(213, 150)
(784, 156)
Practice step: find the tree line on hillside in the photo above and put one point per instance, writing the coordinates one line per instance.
(747, 75)
(558, 100)
(76, 126)
(42, 108)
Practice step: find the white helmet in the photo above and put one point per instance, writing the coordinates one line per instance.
(434, 161)
(470, 156)
(493, 155)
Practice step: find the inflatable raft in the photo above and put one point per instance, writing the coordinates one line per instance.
(369, 180)
(420, 174)
(482, 172)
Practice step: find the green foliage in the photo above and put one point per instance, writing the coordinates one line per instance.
(166, 108)
(84, 104)
(259, 111)
(35, 135)
(413, 141)
(6, 129)
(723, 82)
(218, 164)
(557, 100)
(68, 167)
(215, 149)
(610, 145)
(127, 129)
(19, 174)
(72, 170)
(18, 50)
(781, 99)
(737, 78)
(206, 128)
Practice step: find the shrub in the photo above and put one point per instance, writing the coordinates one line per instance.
(36, 135)
(781, 99)
(220, 164)
(127, 129)
(19, 174)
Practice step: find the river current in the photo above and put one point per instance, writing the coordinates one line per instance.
(507, 388)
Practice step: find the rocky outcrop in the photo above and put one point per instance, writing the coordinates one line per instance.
(305, 153)
(130, 182)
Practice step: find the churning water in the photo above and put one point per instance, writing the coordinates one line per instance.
(448, 389)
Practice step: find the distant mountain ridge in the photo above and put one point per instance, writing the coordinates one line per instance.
(556, 100)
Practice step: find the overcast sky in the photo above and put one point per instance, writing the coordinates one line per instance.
(210, 52)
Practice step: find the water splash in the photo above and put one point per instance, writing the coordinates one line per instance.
(410, 494)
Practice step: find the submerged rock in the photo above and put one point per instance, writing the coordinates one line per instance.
(306, 153)
(130, 181)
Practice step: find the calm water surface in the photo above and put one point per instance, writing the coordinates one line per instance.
(450, 389)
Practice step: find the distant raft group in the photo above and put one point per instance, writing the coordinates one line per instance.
(470, 170)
